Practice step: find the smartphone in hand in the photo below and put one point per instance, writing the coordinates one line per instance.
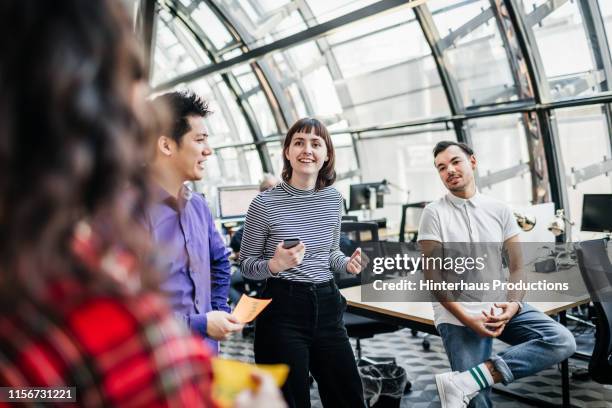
(290, 243)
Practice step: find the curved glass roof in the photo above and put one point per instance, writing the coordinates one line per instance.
(525, 82)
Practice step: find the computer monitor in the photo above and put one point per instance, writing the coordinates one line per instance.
(234, 201)
(359, 196)
(597, 213)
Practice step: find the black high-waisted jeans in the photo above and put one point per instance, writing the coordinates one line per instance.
(303, 327)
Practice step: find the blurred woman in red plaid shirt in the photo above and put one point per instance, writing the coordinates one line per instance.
(78, 305)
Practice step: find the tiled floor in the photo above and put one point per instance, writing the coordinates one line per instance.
(421, 366)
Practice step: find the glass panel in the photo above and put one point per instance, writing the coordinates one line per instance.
(245, 78)
(606, 12)
(275, 150)
(325, 10)
(584, 141)
(319, 87)
(379, 42)
(266, 6)
(263, 22)
(345, 154)
(227, 124)
(499, 143)
(211, 26)
(569, 73)
(408, 165)
(176, 51)
(229, 166)
(392, 80)
(295, 97)
(263, 114)
(475, 51)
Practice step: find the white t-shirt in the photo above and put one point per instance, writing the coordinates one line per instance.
(478, 219)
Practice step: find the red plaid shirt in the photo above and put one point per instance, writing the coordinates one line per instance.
(116, 351)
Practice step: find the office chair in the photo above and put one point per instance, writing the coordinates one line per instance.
(402, 231)
(359, 327)
(596, 270)
(355, 229)
(402, 238)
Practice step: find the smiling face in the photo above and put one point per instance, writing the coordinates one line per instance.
(189, 156)
(307, 153)
(456, 169)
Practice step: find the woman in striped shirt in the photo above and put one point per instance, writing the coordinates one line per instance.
(303, 325)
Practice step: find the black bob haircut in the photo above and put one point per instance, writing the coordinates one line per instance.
(181, 105)
(442, 146)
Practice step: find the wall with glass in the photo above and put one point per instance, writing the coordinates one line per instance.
(585, 141)
(376, 84)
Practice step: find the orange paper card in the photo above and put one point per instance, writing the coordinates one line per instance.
(248, 308)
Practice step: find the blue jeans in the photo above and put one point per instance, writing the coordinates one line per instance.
(537, 342)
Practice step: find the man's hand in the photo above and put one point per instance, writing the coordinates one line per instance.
(267, 394)
(509, 310)
(484, 328)
(284, 259)
(354, 265)
(221, 324)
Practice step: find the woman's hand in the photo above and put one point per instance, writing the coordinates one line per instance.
(284, 259)
(354, 265)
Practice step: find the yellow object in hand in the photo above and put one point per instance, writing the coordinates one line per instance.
(232, 377)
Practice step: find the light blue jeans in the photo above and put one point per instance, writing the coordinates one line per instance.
(537, 342)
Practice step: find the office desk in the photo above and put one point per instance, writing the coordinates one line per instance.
(419, 316)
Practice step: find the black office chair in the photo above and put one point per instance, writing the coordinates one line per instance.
(402, 231)
(350, 218)
(413, 238)
(359, 327)
(596, 271)
(355, 230)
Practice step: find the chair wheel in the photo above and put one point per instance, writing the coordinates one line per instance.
(408, 387)
(426, 345)
(414, 332)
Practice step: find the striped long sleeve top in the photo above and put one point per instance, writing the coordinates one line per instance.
(286, 212)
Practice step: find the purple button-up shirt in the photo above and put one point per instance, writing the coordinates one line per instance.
(193, 255)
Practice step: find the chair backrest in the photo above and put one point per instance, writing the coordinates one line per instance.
(596, 271)
(404, 219)
(350, 218)
(353, 234)
(357, 231)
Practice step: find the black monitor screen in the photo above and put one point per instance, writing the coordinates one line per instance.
(360, 196)
(597, 212)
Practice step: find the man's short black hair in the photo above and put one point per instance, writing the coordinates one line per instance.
(442, 146)
(182, 105)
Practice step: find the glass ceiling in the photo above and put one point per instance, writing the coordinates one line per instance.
(384, 74)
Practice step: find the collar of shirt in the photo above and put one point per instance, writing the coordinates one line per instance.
(475, 200)
(295, 191)
(162, 196)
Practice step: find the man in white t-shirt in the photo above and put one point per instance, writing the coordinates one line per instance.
(468, 328)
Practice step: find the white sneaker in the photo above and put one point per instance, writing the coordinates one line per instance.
(451, 395)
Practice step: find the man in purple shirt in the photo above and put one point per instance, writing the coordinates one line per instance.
(195, 260)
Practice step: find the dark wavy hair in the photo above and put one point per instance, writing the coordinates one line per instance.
(181, 105)
(72, 140)
(445, 144)
(327, 174)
